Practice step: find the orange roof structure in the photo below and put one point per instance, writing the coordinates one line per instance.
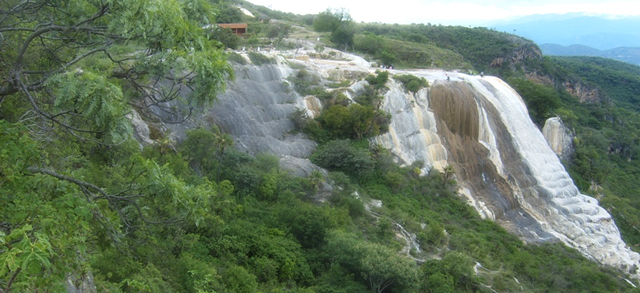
(237, 28)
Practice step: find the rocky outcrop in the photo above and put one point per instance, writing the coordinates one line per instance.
(559, 137)
(140, 129)
(524, 51)
(80, 282)
(256, 109)
(585, 93)
(539, 79)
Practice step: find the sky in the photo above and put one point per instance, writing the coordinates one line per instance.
(460, 12)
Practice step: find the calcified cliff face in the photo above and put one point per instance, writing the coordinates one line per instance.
(256, 109)
(503, 163)
(480, 126)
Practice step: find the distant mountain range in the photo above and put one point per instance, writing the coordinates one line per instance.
(576, 34)
(625, 54)
(599, 32)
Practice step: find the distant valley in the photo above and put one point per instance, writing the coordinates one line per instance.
(624, 54)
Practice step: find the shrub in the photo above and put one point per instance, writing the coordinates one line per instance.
(226, 37)
(237, 58)
(340, 155)
(412, 83)
(259, 59)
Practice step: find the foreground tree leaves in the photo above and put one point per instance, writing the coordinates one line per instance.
(53, 220)
(82, 64)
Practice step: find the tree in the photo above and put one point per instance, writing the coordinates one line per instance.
(340, 155)
(540, 99)
(384, 268)
(387, 58)
(454, 273)
(228, 13)
(370, 43)
(278, 31)
(82, 65)
(326, 21)
(205, 150)
(225, 36)
(339, 23)
(381, 267)
(343, 35)
(70, 71)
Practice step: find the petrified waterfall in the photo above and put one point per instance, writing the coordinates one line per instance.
(503, 163)
(478, 125)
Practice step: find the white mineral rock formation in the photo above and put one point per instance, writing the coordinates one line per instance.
(558, 136)
(478, 125)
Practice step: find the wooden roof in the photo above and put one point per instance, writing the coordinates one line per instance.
(233, 25)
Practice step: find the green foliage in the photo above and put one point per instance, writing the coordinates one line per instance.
(225, 36)
(309, 225)
(541, 100)
(147, 280)
(326, 21)
(387, 58)
(338, 121)
(259, 59)
(411, 83)
(278, 31)
(97, 59)
(228, 13)
(454, 271)
(344, 83)
(238, 279)
(339, 23)
(306, 83)
(94, 99)
(343, 35)
(380, 266)
(378, 80)
(420, 45)
(344, 120)
(205, 150)
(341, 155)
(25, 252)
(203, 217)
(237, 58)
(617, 79)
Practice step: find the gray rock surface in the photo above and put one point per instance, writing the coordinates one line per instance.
(559, 137)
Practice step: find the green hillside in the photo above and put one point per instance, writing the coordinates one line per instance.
(79, 196)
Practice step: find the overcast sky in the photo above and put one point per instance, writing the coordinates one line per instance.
(462, 12)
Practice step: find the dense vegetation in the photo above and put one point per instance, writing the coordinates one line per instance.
(79, 196)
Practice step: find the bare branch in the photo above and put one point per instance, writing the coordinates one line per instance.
(40, 83)
(67, 178)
